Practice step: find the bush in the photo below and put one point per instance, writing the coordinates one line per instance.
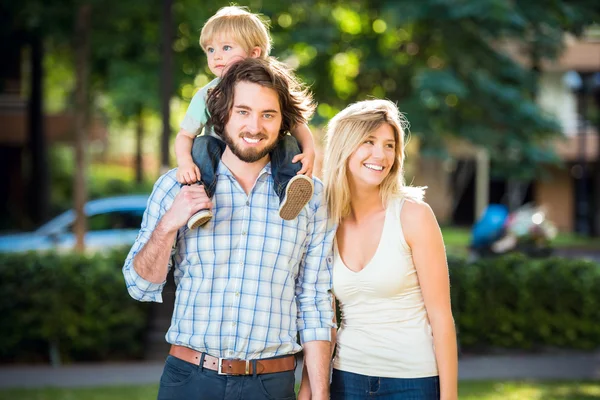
(77, 304)
(516, 302)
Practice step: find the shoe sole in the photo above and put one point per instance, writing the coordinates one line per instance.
(297, 194)
(199, 219)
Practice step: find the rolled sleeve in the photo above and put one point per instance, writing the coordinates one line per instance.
(313, 286)
(159, 202)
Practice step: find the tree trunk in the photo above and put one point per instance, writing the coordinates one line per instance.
(431, 173)
(166, 82)
(139, 146)
(82, 53)
(596, 197)
(39, 180)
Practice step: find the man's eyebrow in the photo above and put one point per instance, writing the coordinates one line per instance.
(248, 108)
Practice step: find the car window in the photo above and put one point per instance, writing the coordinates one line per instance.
(130, 219)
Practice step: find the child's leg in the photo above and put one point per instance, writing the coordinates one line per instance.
(294, 190)
(206, 153)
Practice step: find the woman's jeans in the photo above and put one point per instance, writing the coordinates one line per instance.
(351, 386)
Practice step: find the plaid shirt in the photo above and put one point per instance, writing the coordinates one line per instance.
(248, 281)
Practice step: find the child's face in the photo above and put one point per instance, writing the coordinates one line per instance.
(222, 52)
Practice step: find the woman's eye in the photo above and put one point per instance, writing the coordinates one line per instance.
(227, 47)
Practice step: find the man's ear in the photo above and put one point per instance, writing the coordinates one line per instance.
(255, 52)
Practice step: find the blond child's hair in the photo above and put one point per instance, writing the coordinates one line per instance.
(238, 23)
(345, 133)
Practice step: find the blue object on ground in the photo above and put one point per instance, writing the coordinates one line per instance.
(490, 226)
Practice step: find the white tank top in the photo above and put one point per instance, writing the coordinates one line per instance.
(384, 330)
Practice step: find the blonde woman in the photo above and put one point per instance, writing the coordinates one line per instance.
(397, 338)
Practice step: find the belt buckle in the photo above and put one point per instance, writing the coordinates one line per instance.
(221, 372)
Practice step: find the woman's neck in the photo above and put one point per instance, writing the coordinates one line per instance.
(364, 203)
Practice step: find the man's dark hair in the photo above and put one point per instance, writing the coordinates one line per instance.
(295, 100)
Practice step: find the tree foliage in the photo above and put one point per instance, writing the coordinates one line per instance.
(442, 61)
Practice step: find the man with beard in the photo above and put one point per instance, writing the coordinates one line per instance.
(250, 285)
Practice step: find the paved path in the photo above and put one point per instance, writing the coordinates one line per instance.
(573, 366)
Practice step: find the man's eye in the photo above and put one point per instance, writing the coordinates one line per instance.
(242, 112)
(268, 116)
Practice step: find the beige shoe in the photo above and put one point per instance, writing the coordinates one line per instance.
(298, 192)
(199, 219)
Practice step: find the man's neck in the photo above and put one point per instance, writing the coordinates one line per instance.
(245, 173)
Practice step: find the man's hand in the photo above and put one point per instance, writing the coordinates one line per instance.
(188, 172)
(307, 158)
(188, 201)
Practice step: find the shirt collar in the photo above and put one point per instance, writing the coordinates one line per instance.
(223, 170)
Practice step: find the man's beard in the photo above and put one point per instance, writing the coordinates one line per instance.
(249, 155)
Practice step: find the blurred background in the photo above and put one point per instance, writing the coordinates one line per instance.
(503, 98)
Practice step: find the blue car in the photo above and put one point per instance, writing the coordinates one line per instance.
(112, 222)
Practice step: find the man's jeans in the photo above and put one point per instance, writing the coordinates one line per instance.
(207, 151)
(182, 380)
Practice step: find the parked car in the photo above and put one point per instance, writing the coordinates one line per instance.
(112, 222)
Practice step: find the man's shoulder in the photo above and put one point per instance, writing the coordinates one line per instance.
(318, 198)
(167, 183)
(319, 186)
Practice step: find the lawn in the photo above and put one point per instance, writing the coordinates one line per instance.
(485, 390)
(460, 237)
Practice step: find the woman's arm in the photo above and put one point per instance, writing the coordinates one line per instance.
(423, 235)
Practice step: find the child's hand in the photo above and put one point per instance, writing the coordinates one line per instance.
(308, 161)
(188, 173)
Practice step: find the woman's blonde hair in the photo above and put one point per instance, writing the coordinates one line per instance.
(345, 133)
(242, 26)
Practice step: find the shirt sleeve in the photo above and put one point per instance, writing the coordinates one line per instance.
(159, 202)
(196, 114)
(313, 286)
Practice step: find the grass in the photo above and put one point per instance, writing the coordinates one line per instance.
(481, 390)
(458, 239)
(553, 390)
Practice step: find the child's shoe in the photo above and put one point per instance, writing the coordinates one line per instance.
(199, 219)
(298, 192)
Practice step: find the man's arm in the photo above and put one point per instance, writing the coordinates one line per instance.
(315, 311)
(147, 264)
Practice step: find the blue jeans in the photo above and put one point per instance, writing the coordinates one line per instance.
(182, 380)
(207, 151)
(350, 386)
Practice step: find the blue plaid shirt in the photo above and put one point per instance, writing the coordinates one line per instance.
(248, 281)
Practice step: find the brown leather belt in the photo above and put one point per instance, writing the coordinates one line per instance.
(234, 367)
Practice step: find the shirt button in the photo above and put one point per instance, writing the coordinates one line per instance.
(241, 264)
(244, 233)
(233, 324)
(237, 294)
(247, 203)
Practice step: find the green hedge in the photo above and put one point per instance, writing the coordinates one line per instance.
(515, 302)
(72, 306)
(79, 303)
